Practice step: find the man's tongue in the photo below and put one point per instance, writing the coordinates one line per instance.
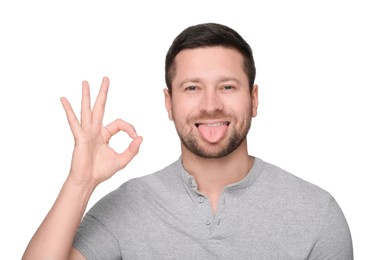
(212, 133)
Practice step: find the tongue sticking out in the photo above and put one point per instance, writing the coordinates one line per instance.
(212, 133)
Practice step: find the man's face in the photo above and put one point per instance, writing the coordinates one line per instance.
(210, 103)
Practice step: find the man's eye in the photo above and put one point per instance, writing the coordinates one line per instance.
(190, 88)
(228, 87)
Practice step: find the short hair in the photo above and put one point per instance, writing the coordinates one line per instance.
(209, 35)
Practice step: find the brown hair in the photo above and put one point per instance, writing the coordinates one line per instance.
(208, 35)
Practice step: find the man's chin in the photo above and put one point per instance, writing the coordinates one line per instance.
(210, 151)
(207, 150)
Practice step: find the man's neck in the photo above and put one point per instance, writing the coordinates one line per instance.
(213, 175)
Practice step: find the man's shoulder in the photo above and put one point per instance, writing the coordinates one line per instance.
(286, 184)
(164, 178)
(134, 192)
(303, 212)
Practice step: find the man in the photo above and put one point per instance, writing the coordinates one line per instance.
(216, 201)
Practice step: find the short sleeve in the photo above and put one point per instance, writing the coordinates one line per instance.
(95, 241)
(334, 240)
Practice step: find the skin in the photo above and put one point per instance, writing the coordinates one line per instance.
(212, 81)
(217, 86)
(93, 162)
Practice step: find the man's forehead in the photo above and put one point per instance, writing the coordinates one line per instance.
(219, 61)
(207, 49)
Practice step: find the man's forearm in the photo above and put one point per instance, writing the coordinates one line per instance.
(54, 237)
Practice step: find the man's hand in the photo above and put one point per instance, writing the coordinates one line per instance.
(94, 161)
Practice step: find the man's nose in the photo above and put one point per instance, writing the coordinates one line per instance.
(211, 101)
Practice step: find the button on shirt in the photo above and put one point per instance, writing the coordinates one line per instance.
(270, 214)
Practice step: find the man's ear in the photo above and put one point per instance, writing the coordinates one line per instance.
(168, 103)
(255, 100)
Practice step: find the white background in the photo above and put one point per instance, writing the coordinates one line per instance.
(324, 78)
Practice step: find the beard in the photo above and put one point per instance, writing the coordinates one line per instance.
(191, 142)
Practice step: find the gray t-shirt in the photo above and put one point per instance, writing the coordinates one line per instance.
(271, 214)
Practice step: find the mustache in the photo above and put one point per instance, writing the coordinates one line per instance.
(217, 114)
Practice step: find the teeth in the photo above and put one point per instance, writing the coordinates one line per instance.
(212, 124)
(215, 124)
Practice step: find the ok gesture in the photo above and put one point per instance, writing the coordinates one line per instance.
(93, 160)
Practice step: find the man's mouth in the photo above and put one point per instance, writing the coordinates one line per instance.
(212, 132)
(213, 124)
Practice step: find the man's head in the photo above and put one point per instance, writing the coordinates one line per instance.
(211, 97)
(209, 35)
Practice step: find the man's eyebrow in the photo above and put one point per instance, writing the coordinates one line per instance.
(190, 80)
(219, 80)
(225, 79)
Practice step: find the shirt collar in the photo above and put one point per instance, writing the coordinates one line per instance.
(190, 182)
